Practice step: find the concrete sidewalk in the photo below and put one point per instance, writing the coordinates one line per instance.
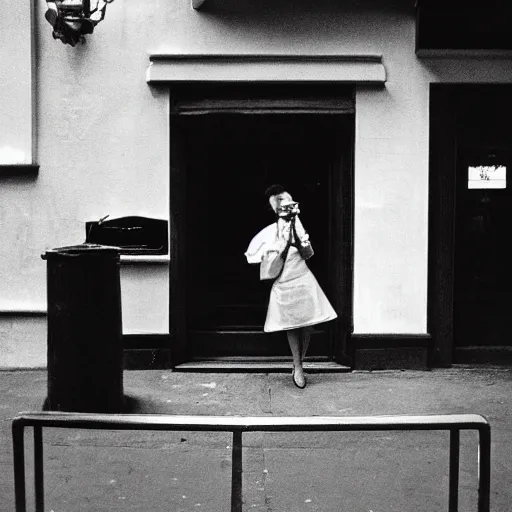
(356, 472)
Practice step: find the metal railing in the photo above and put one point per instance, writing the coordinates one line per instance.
(453, 423)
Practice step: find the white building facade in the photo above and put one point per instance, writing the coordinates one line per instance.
(95, 130)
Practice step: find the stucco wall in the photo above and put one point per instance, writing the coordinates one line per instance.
(103, 142)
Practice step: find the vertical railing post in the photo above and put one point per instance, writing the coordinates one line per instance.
(38, 468)
(453, 497)
(18, 433)
(236, 472)
(484, 468)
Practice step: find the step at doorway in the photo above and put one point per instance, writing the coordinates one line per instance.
(259, 365)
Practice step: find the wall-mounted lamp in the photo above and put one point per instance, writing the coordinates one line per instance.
(72, 19)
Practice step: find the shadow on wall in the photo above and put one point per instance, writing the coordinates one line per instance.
(304, 6)
(295, 19)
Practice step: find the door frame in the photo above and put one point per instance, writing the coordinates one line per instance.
(447, 101)
(342, 190)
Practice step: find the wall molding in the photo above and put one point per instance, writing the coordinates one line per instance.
(391, 351)
(177, 67)
(24, 312)
(152, 351)
(19, 170)
(395, 340)
(145, 341)
(146, 351)
(483, 355)
(147, 359)
(128, 259)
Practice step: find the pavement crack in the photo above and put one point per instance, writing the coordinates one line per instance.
(269, 398)
(268, 499)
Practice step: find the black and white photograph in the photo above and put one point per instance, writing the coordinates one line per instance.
(255, 256)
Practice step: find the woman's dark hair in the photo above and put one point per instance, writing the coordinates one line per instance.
(274, 190)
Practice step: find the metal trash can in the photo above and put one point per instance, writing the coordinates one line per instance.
(85, 349)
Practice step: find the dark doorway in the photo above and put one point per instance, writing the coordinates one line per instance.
(470, 202)
(483, 241)
(222, 164)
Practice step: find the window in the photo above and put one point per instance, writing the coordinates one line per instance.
(487, 176)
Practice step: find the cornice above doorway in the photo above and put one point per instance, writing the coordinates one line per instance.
(172, 67)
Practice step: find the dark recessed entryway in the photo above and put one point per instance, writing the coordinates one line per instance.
(222, 164)
(470, 288)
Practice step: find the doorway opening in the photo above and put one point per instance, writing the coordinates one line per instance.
(483, 248)
(470, 284)
(221, 165)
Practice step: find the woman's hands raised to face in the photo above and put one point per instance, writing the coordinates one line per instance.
(288, 210)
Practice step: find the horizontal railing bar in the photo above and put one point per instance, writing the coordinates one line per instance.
(251, 423)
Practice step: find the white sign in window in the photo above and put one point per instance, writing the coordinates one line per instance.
(487, 176)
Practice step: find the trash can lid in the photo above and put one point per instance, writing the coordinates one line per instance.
(81, 249)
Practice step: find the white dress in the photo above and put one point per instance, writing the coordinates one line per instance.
(296, 298)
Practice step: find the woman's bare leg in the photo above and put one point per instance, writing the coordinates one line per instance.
(305, 339)
(294, 340)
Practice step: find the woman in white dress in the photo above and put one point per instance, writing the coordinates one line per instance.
(296, 300)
